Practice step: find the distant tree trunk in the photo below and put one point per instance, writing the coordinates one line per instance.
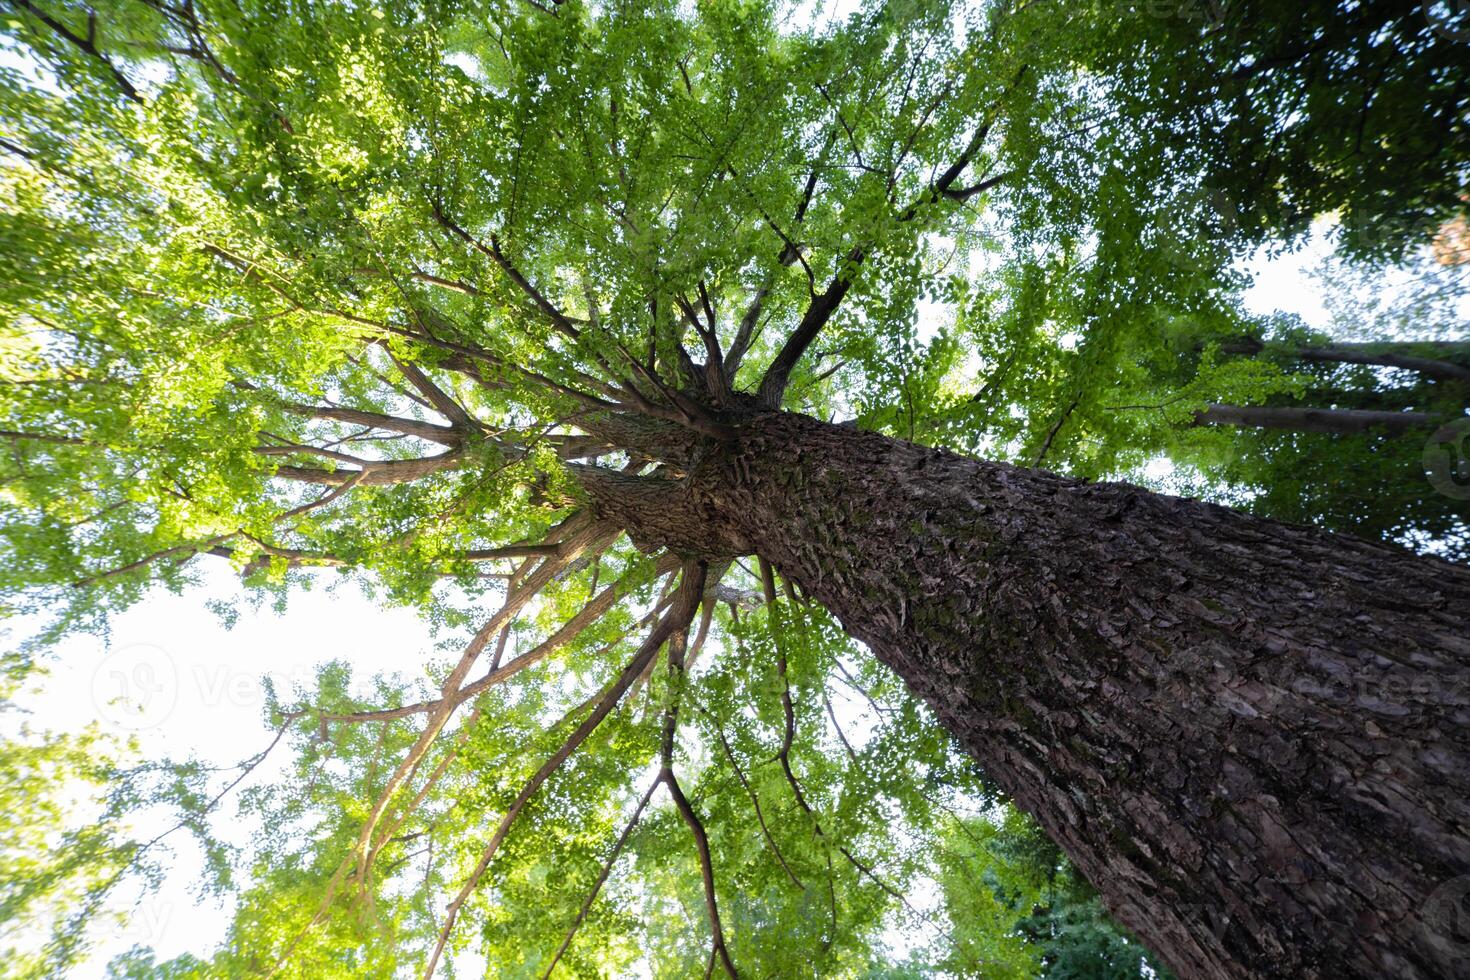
(1341, 421)
(1253, 738)
(1407, 356)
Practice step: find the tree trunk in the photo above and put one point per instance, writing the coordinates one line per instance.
(1253, 738)
(1407, 356)
(1340, 421)
(1377, 354)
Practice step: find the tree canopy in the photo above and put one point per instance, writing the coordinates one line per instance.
(406, 294)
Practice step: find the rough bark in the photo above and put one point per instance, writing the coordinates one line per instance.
(1253, 738)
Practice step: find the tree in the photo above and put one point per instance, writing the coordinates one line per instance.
(1299, 111)
(1014, 899)
(1324, 427)
(1261, 412)
(520, 302)
(63, 837)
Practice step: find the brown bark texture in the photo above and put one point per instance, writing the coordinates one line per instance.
(1253, 738)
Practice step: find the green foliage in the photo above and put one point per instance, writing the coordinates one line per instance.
(1020, 909)
(1291, 111)
(64, 838)
(354, 292)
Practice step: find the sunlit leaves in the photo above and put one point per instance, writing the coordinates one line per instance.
(336, 292)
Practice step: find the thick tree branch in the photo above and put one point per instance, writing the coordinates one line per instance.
(824, 304)
(1407, 356)
(430, 431)
(581, 532)
(686, 809)
(438, 397)
(576, 533)
(788, 732)
(559, 320)
(510, 551)
(14, 436)
(190, 548)
(706, 869)
(965, 193)
(87, 45)
(375, 473)
(1056, 427)
(790, 253)
(498, 674)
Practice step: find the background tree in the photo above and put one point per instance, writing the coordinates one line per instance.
(1294, 112)
(502, 303)
(1020, 909)
(64, 839)
(1264, 413)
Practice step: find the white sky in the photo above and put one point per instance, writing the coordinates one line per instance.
(193, 687)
